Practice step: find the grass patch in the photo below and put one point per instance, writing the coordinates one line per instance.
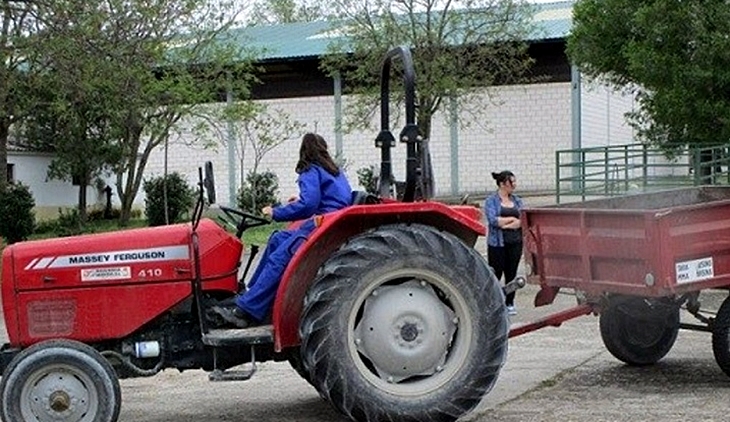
(260, 235)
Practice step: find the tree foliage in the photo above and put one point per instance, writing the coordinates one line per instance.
(19, 68)
(17, 219)
(457, 45)
(130, 72)
(260, 129)
(259, 190)
(167, 199)
(672, 54)
(269, 12)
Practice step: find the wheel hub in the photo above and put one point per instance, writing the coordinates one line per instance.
(405, 331)
(409, 332)
(59, 396)
(60, 401)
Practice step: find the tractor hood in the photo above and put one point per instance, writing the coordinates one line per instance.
(45, 281)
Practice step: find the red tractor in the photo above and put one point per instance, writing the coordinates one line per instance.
(387, 310)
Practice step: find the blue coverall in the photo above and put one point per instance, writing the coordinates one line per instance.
(319, 193)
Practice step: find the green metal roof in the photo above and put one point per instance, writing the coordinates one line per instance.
(310, 39)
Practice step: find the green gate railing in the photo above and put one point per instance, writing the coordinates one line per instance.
(620, 169)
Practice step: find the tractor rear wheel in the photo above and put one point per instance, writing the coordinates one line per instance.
(639, 331)
(295, 360)
(404, 323)
(60, 380)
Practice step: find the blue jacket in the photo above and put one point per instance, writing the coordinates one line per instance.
(319, 193)
(492, 208)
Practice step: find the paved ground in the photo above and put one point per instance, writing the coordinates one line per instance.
(554, 374)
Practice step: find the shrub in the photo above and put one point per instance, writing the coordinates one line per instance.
(69, 222)
(179, 198)
(46, 226)
(260, 189)
(367, 179)
(17, 219)
(98, 214)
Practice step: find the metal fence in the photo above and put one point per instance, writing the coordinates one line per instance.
(621, 169)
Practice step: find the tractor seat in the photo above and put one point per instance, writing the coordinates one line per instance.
(360, 197)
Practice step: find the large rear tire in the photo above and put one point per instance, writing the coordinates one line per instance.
(639, 331)
(60, 380)
(721, 337)
(404, 323)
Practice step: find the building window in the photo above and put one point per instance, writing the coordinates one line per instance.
(11, 173)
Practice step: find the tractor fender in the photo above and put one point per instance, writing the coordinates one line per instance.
(336, 228)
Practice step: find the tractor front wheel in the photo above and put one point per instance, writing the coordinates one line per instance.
(639, 331)
(404, 323)
(59, 381)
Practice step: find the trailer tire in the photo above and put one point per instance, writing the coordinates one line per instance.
(639, 331)
(404, 323)
(59, 380)
(721, 337)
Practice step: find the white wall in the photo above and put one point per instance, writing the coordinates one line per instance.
(49, 194)
(603, 120)
(520, 133)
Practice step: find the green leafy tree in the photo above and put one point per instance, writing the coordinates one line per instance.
(71, 120)
(268, 12)
(672, 54)
(457, 45)
(158, 64)
(260, 129)
(19, 68)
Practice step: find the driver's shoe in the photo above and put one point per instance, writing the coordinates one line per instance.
(234, 315)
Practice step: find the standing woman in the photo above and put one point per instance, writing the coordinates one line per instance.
(504, 240)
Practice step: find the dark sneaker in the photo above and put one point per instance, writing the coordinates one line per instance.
(233, 315)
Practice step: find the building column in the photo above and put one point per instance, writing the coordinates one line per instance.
(337, 80)
(454, 141)
(575, 114)
(231, 144)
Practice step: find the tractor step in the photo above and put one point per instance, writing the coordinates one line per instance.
(240, 375)
(235, 337)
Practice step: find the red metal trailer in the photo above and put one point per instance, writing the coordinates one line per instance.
(635, 261)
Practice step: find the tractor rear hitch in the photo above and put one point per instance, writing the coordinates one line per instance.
(514, 285)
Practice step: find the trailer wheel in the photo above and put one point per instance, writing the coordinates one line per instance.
(639, 331)
(404, 323)
(721, 337)
(60, 380)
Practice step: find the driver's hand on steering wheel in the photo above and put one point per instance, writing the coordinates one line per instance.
(267, 211)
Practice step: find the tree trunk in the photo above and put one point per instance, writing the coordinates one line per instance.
(4, 133)
(83, 187)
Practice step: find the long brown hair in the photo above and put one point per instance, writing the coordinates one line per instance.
(314, 151)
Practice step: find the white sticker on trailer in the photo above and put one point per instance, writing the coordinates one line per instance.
(695, 270)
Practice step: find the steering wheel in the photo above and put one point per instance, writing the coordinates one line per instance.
(242, 220)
